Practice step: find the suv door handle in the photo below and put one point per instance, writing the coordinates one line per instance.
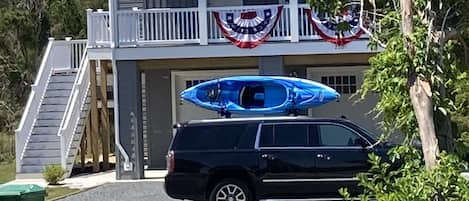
(323, 156)
(268, 156)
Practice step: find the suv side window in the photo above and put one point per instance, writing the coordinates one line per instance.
(285, 135)
(338, 136)
(214, 137)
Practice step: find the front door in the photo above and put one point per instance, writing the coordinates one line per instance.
(287, 160)
(340, 156)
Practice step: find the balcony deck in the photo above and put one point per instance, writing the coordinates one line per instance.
(188, 27)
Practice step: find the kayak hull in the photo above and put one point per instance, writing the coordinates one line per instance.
(259, 94)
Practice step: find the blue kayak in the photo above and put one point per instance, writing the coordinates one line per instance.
(259, 94)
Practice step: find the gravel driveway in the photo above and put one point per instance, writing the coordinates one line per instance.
(128, 191)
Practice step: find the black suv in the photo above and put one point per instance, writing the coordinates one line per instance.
(249, 159)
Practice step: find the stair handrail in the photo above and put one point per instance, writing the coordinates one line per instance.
(71, 116)
(38, 89)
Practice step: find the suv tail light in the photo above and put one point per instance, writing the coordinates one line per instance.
(170, 162)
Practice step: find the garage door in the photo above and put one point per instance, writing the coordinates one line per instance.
(346, 80)
(185, 111)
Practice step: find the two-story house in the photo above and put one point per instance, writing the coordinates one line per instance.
(157, 48)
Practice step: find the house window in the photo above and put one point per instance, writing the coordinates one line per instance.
(342, 84)
(191, 83)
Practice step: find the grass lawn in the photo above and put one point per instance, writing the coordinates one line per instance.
(7, 172)
(57, 192)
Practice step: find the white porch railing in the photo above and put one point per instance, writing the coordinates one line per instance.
(59, 55)
(281, 31)
(98, 28)
(172, 26)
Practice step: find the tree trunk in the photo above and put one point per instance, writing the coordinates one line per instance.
(420, 93)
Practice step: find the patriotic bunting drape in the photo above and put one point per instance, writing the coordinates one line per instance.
(248, 29)
(327, 29)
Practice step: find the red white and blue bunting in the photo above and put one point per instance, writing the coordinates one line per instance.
(248, 29)
(327, 28)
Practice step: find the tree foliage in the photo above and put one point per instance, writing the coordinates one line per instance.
(441, 55)
(435, 52)
(24, 30)
(412, 182)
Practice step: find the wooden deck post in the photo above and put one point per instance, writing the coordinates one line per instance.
(94, 117)
(106, 130)
(83, 152)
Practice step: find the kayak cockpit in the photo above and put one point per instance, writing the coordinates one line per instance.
(262, 95)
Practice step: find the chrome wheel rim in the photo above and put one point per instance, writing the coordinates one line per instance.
(230, 192)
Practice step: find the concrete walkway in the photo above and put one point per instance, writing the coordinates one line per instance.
(92, 180)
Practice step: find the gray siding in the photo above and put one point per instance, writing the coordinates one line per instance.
(159, 116)
(210, 3)
(129, 4)
(216, 3)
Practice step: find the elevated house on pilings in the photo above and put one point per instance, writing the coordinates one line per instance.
(117, 91)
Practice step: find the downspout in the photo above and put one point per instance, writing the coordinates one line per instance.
(128, 166)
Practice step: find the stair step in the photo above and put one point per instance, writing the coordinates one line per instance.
(45, 130)
(60, 85)
(63, 78)
(43, 145)
(52, 108)
(55, 101)
(50, 115)
(32, 168)
(48, 153)
(44, 138)
(57, 71)
(48, 122)
(57, 93)
(41, 161)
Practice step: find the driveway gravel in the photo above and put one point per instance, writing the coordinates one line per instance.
(123, 191)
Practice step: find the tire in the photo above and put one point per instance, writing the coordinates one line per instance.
(231, 190)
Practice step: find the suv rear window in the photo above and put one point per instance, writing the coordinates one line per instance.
(216, 137)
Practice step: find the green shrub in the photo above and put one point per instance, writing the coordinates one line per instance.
(53, 174)
(410, 181)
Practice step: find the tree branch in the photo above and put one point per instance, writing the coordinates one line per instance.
(466, 51)
(366, 29)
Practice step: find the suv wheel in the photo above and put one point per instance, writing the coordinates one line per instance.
(231, 190)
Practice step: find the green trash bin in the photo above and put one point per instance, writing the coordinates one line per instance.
(29, 192)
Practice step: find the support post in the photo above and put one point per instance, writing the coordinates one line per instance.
(113, 7)
(271, 65)
(203, 28)
(88, 134)
(94, 117)
(295, 34)
(105, 116)
(89, 30)
(128, 114)
(83, 152)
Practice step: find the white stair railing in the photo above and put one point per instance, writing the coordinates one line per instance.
(58, 55)
(31, 110)
(74, 109)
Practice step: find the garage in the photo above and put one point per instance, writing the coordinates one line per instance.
(346, 81)
(181, 80)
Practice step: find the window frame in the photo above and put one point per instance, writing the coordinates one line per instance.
(341, 147)
(235, 148)
(259, 132)
(310, 146)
